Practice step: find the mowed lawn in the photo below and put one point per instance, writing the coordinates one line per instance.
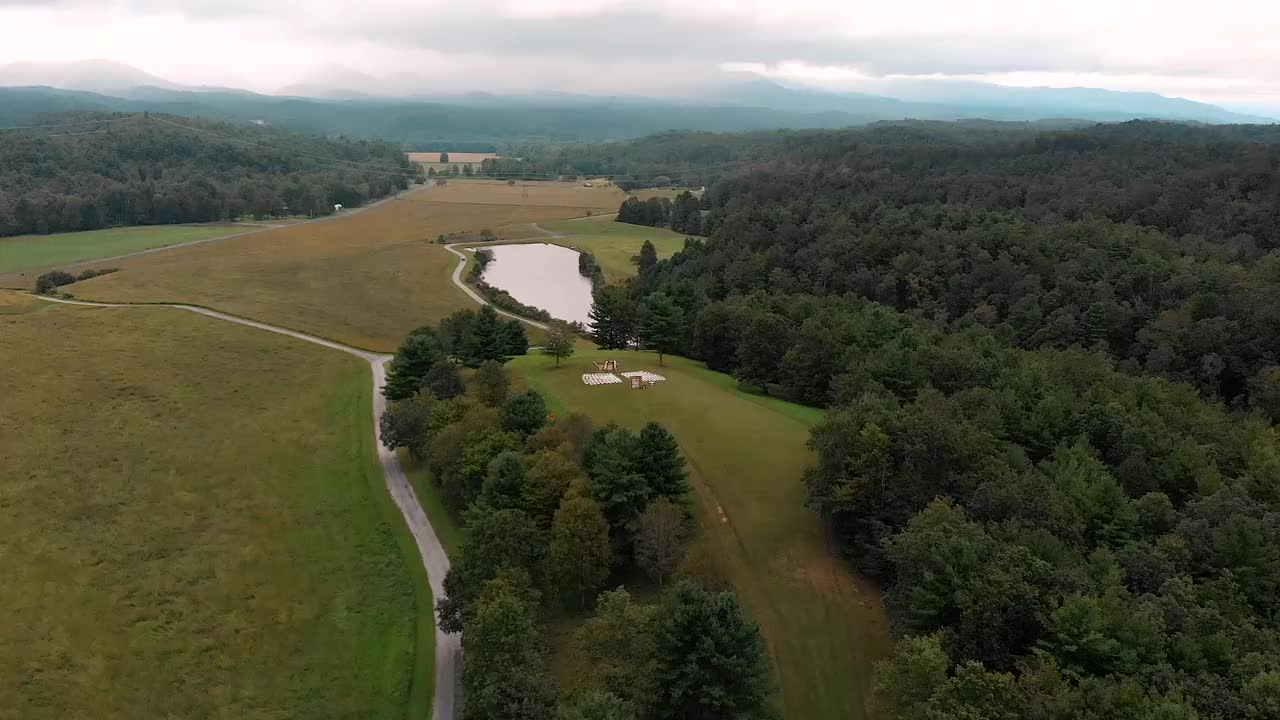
(365, 279)
(25, 253)
(824, 627)
(193, 524)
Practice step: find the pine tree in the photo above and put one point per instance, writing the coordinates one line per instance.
(760, 351)
(658, 459)
(711, 660)
(487, 339)
(517, 340)
(580, 550)
(410, 366)
(663, 324)
(648, 256)
(612, 318)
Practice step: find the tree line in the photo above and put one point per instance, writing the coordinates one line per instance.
(1049, 432)
(555, 510)
(142, 171)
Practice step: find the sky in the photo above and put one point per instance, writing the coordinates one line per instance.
(1224, 52)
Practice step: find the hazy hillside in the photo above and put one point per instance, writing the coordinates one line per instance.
(108, 170)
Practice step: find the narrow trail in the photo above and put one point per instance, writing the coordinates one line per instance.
(448, 647)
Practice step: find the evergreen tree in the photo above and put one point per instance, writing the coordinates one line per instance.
(612, 318)
(597, 706)
(491, 383)
(663, 325)
(632, 211)
(444, 158)
(560, 341)
(487, 340)
(648, 256)
(580, 550)
(760, 351)
(412, 361)
(443, 380)
(455, 333)
(517, 340)
(524, 414)
(657, 457)
(711, 661)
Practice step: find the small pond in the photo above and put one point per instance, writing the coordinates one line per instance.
(544, 276)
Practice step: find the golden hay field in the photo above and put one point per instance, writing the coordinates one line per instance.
(365, 279)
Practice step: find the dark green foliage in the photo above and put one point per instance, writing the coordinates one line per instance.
(613, 318)
(597, 706)
(648, 256)
(517, 340)
(503, 540)
(145, 171)
(658, 460)
(761, 349)
(491, 383)
(443, 380)
(662, 324)
(408, 424)
(504, 486)
(686, 214)
(487, 339)
(50, 281)
(710, 659)
(408, 369)
(505, 676)
(524, 414)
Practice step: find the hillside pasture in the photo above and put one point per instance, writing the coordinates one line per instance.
(365, 279)
(824, 627)
(193, 524)
(22, 254)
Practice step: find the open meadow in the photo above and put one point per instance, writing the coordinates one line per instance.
(196, 525)
(365, 279)
(824, 627)
(24, 253)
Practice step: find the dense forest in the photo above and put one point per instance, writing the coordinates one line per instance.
(96, 170)
(1050, 364)
(556, 512)
(1154, 243)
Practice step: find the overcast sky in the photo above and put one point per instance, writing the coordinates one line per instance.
(1227, 52)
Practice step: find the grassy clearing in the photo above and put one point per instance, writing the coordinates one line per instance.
(26, 253)
(613, 243)
(195, 525)
(824, 627)
(365, 279)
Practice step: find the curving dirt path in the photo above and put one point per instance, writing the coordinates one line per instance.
(448, 647)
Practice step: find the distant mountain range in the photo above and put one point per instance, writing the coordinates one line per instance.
(357, 104)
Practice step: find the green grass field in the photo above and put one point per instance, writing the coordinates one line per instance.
(824, 627)
(26, 253)
(613, 244)
(363, 279)
(193, 524)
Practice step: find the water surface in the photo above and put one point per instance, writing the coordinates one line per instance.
(544, 276)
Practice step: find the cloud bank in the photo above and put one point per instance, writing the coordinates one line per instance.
(1225, 53)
